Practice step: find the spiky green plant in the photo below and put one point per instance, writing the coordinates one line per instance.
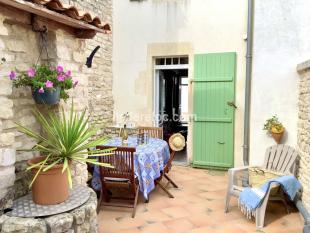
(65, 138)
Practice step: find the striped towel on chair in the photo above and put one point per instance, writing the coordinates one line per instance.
(251, 198)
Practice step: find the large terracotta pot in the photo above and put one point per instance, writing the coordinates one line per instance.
(50, 187)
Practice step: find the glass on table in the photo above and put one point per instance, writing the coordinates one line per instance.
(140, 138)
(146, 138)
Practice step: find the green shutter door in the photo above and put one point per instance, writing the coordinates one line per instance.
(214, 95)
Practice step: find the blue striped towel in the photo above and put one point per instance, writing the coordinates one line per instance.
(251, 198)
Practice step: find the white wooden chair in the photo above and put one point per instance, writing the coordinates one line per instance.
(279, 158)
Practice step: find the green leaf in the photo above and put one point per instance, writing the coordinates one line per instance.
(69, 176)
(65, 165)
(51, 165)
(39, 170)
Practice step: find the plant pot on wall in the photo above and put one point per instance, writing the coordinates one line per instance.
(274, 128)
(50, 187)
(49, 97)
(277, 136)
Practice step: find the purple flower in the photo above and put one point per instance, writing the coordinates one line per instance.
(61, 78)
(12, 75)
(68, 73)
(41, 90)
(31, 73)
(60, 69)
(49, 84)
(75, 83)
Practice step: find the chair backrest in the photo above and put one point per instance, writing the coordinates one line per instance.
(122, 160)
(154, 132)
(281, 158)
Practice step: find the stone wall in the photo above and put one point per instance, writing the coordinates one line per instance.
(304, 129)
(16, 104)
(19, 49)
(100, 101)
(82, 219)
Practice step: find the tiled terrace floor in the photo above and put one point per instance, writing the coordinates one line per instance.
(198, 206)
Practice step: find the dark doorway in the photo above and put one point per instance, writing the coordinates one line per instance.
(173, 105)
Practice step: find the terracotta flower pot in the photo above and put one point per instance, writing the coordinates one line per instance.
(277, 136)
(50, 187)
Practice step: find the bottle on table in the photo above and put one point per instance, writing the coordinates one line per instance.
(124, 135)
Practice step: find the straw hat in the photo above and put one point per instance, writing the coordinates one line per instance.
(177, 142)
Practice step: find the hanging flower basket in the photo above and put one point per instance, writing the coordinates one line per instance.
(48, 84)
(49, 97)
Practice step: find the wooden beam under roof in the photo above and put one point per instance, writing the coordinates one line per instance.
(39, 10)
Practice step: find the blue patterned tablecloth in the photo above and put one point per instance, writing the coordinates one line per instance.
(150, 159)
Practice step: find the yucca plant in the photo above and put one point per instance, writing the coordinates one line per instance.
(65, 138)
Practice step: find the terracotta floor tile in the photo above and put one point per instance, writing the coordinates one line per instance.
(154, 228)
(131, 230)
(179, 225)
(155, 216)
(175, 212)
(198, 207)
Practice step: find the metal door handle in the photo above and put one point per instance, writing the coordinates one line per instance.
(221, 143)
(231, 104)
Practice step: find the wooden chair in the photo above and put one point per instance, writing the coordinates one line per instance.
(121, 176)
(279, 158)
(154, 132)
(164, 173)
(168, 166)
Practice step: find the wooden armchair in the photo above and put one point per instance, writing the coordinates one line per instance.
(164, 173)
(176, 143)
(121, 176)
(154, 132)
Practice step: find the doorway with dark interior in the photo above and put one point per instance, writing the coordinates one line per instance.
(171, 100)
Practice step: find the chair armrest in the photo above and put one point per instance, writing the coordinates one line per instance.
(237, 169)
(232, 175)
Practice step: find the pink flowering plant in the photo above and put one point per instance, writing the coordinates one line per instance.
(44, 78)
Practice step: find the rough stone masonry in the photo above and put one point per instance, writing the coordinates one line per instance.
(19, 49)
(304, 130)
(82, 219)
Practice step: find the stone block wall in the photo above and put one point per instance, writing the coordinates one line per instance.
(82, 219)
(100, 101)
(19, 49)
(304, 130)
(15, 104)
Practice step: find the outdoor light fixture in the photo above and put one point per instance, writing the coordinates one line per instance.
(89, 60)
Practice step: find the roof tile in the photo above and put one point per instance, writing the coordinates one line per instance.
(73, 12)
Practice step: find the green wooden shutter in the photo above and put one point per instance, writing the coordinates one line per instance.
(213, 127)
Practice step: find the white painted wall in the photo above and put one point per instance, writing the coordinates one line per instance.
(281, 41)
(171, 27)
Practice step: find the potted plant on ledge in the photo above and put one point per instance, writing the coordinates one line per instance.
(48, 84)
(64, 139)
(275, 128)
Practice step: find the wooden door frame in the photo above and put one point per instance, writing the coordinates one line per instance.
(189, 68)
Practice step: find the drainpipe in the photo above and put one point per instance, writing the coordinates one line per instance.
(247, 102)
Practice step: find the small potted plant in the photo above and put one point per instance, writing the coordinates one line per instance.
(48, 84)
(275, 128)
(64, 139)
